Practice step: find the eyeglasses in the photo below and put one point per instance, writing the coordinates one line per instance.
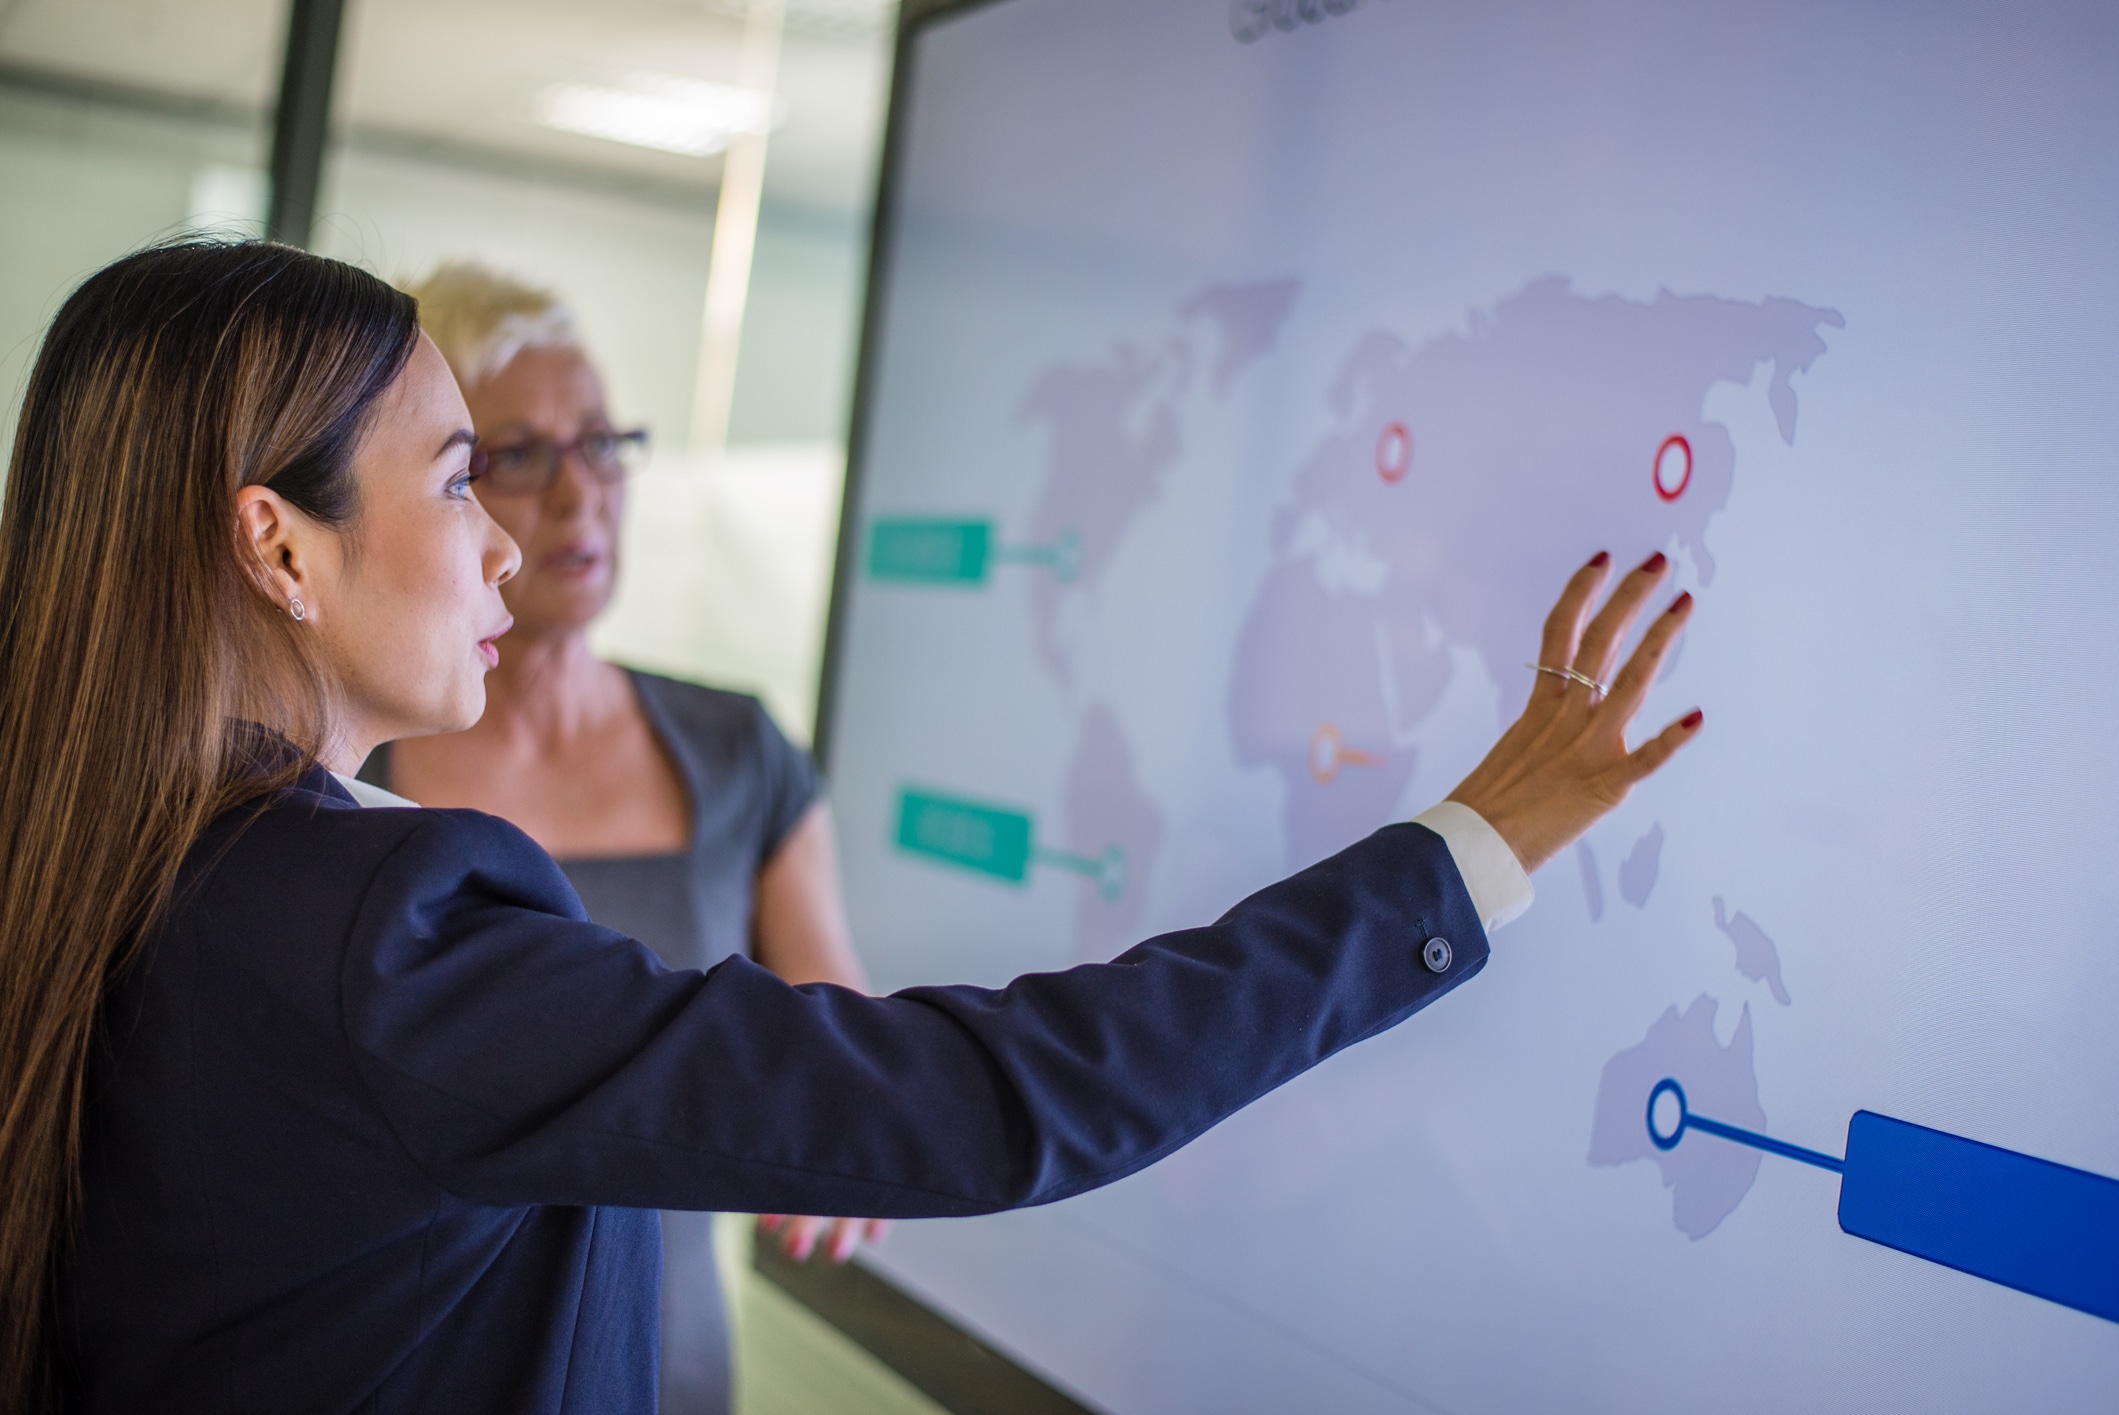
(530, 465)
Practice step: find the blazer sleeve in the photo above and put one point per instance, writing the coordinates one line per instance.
(522, 1055)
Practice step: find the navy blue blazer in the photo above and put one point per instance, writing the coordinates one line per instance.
(381, 1123)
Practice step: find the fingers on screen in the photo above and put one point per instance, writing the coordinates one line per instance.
(1631, 687)
(1645, 760)
(1563, 627)
(1600, 644)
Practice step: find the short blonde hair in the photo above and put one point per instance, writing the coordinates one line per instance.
(480, 318)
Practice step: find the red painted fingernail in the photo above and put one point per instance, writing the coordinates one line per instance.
(1692, 719)
(1602, 558)
(1681, 603)
(1654, 564)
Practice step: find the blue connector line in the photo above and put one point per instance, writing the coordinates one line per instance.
(1688, 1121)
(2013, 1219)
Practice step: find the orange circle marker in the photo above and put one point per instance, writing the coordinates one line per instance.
(1329, 753)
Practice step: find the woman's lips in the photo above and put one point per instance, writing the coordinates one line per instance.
(488, 649)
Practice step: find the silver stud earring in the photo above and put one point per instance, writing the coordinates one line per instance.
(294, 607)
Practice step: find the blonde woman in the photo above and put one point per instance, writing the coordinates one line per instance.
(681, 814)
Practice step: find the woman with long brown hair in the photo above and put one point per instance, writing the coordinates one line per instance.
(311, 1106)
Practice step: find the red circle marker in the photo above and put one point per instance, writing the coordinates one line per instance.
(1673, 467)
(1394, 452)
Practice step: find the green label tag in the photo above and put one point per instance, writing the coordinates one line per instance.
(982, 838)
(930, 552)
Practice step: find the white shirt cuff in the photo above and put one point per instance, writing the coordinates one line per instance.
(1493, 876)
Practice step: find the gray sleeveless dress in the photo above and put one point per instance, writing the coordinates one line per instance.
(749, 786)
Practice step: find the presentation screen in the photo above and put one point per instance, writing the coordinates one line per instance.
(1243, 381)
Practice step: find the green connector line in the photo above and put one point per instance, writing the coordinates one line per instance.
(958, 553)
(1107, 869)
(1063, 557)
(994, 840)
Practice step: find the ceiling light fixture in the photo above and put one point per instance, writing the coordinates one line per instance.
(662, 111)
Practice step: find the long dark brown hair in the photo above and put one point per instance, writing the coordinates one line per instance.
(135, 638)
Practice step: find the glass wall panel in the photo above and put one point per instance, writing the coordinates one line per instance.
(122, 121)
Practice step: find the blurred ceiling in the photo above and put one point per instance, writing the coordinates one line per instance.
(459, 79)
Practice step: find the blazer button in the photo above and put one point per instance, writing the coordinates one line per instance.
(1436, 955)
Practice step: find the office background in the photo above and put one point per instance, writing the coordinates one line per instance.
(127, 121)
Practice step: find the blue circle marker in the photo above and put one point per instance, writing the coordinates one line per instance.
(1667, 1087)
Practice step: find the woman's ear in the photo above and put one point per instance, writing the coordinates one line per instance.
(274, 535)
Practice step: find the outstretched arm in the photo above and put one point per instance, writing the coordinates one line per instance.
(525, 1056)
